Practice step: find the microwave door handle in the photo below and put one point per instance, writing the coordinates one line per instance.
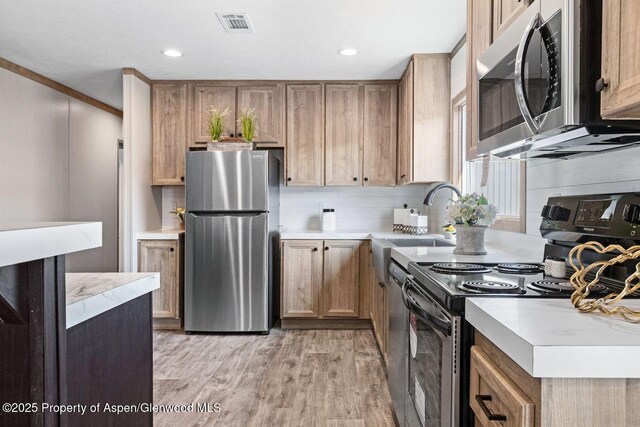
(519, 73)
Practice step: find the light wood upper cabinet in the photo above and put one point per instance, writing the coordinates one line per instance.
(341, 287)
(425, 120)
(405, 127)
(163, 256)
(169, 132)
(305, 135)
(380, 134)
(268, 101)
(505, 12)
(343, 135)
(479, 38)
(621, 59)
(207, 97)
(301, 277)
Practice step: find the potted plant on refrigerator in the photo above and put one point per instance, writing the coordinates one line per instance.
(471, 214)
(247, 122)
(216, 122)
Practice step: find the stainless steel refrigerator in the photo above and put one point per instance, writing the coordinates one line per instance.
(232, 241)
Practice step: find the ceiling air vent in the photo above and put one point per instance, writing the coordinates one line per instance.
(235, 22)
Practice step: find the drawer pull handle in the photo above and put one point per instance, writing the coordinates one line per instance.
(481, 399)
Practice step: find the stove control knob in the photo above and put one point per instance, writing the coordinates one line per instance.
(545, 211)
(631, 214)
(556, 213)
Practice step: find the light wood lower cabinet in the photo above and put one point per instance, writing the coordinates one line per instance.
(325, 280)
(164, 257)
(379, 307)
(301, 278)
(507, 389)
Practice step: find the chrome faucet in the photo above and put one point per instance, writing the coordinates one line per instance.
(428, 200)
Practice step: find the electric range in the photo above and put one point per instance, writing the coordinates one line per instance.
(440, 339)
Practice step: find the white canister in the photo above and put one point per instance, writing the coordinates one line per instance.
(555, 267)
(328, 220)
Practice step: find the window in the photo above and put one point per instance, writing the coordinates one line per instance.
(505, 184)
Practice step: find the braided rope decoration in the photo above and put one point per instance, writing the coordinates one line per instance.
(605, 305)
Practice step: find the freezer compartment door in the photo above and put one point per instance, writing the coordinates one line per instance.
(227, 285)
(227, 181)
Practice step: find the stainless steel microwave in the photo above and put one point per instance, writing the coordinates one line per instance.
(538, 86)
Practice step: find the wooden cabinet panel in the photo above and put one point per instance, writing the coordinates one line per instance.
(268, 101)
(367, 273)
(492, 392)
(163, 256)
(305, 135)
(621, 59)
(169, 132)
(405, 127)
(379, 313)
(206, 97)
(431, 117)
(301, 278)
(479, 38)
(343, 135)
(341, 286)
(380, 134)
(505, 12)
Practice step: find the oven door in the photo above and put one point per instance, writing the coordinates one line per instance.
(519, 84)
(432, 361)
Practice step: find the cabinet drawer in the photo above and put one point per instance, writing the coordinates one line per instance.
(495, 399)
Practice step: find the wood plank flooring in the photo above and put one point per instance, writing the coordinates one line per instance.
(322, 378)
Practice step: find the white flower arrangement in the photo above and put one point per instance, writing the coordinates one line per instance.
(472, 209)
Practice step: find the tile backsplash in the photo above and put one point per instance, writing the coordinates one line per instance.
(357, 208)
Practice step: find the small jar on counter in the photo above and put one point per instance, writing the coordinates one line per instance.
(328, 220)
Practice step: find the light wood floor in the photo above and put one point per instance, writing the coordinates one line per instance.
(288, 378)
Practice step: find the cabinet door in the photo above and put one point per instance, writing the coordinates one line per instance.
(479, 37)
(505, 12)
(405, 127)
(301, 278)
(343, 135)
(268, 102)
(206, 97)
(341, 286)
(162, 256)
(431, 117)
(493, 393)
(621, 59)
(169, 132)
(305, 137)
(380, 134)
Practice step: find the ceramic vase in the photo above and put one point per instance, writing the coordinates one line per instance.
(470, 240)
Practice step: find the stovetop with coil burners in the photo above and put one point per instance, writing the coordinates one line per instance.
(451, 283)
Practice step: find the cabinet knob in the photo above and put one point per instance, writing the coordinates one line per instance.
(315, 249)
(182, 178)
(601, 84)
(403, 176)
(381, 284)
(289, 179)
(171, 249)
(326, 248)
(355, 178)
(366, 179)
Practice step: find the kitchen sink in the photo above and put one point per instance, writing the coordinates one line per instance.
(381, 249)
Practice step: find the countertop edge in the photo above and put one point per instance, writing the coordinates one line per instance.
(90, 307)
(159, 235)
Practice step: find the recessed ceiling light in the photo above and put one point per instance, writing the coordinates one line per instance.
(348, 52)
(172, 53)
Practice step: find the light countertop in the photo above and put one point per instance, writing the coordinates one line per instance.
(27, 241)
(160, 235)
(348, 235)
(549, 338)
(90, 294)
(495, 254)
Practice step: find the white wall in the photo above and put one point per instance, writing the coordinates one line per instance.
(57, 163)
(459, 71)
(140, 202)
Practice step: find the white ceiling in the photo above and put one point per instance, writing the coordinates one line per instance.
(84, 43)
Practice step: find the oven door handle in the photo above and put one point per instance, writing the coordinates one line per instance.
(441, 325)
(519, 73)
